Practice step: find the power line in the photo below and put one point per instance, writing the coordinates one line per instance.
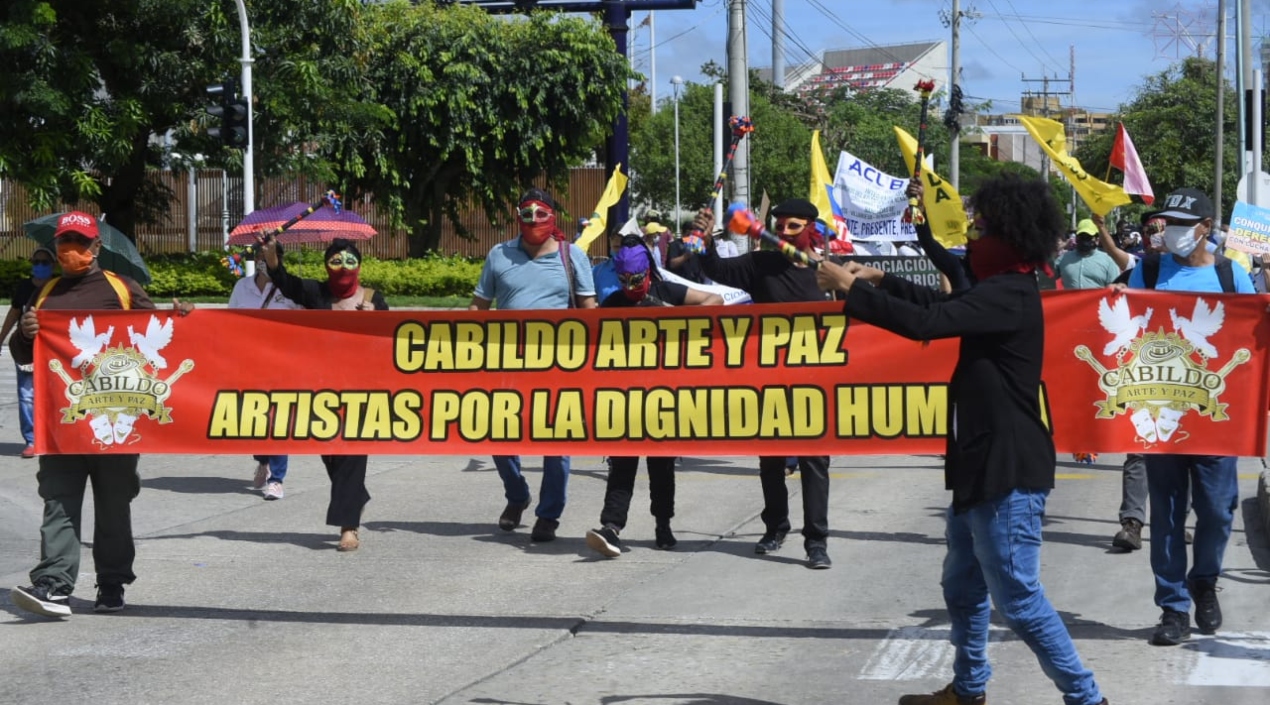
(1029, 32)
(765, 21)
(859, 36)
(1017, 38)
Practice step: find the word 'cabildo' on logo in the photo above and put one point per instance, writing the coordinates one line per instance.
(1159, 377)
(120, 384)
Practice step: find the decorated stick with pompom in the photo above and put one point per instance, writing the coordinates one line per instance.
(741, 126)
(742, 221)
(914, 214)
(330, 198)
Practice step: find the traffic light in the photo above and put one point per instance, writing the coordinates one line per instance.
(231, 110)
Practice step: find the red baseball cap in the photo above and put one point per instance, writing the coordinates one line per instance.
(77, 222)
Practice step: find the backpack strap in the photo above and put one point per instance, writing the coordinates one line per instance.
(121, 290)
(568, 271)
(1226, 274)
(1150, 265)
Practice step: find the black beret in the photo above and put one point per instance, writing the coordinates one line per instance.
(797, 208)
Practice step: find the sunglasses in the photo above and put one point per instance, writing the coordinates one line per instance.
(346, 261)
(534, 214)
(792, 227)
(632, 280)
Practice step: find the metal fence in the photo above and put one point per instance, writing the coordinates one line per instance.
(207, 203)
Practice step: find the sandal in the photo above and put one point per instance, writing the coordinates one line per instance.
(348, 540)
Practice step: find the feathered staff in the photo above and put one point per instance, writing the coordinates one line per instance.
(741, 126)
(914, 214)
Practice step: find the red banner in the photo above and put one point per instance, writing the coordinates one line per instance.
(1144, 372)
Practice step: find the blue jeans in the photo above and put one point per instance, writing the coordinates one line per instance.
(552, 493)
(994, 548)
(1215, 481)
(277, 466)
(26, 405)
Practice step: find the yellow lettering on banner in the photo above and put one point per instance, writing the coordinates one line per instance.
(303, 412)
(734, 336)
(610, 414)
(566, 421)
(353, 403)
(440, 348)
(804, 342)
(479, 415)
(659, 415)
(282, 411)
(469, 346)
(892, 411)
(674, 329)
(705, 413)
(775, 414)
(773, 335)
(224, 423)
(694, 413)
(377, 425)
(253, 421)
(643, 344)
(326, 423)
(408, 346)
(407, 407)
(610, 349)
(697, 355)
(835, 328)
(743, 418)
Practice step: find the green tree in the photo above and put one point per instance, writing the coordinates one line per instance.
(91, 88)
(1172, 121)
(482, 106)
(779, 151)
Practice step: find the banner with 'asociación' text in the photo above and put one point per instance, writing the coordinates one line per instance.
(1145, 372)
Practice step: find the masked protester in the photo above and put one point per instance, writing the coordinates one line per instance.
(342, 291)
(1087, 267)
(537, 270)
(771, 278)
(83, 286)
(1210, 482)
(641, 286)
(1000, 460)
(41, 271)
(258, 292)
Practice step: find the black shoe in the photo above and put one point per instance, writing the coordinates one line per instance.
(109, 597)
(544, 530)
(1174, 628)
(1207, 609)
(605, 541)
(665, 537)
(770, 543)
(510, 518)
(818, 557)
(43, 599)
(1129, 538)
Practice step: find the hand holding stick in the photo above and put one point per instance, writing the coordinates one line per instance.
(915, 214)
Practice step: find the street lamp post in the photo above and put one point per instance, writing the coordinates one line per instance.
(249, 166)
(677, 82)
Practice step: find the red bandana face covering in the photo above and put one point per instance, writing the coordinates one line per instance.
(537, 222)
(791, 232)
(343, 282)
(635, 286)
(990, 256)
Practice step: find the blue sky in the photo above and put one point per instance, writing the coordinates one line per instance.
(1114, 40)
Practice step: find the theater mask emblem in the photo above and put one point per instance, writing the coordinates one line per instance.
(1156, 378)
(108, 389)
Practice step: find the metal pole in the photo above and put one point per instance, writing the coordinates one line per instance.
(224, 206)
(617, 147)
(249, 180)
(1221, 108)
(719, 118)
(652, 57)
(778, 44)
(191, 209)
(1244, 20)
(1254, 178)
(677, 82)
(954, 155)
(739, 93)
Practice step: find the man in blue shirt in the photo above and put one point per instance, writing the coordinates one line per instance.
(540, 269)
(1210, 480)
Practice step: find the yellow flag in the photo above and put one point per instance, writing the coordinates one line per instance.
(612, 193)
(1100, 196)
(820, 181)
(944, 213)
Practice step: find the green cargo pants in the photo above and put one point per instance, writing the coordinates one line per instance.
(62, 479)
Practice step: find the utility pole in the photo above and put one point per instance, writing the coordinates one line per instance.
(778, 43)
(1221, 108)
(953, 21)
(1045, 112)
(739, 94)
(652, 59)
(1247, 127)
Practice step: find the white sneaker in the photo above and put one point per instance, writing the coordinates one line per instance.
(262, 474)
(273, 490)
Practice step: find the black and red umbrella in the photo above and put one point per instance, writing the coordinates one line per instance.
(323, 221)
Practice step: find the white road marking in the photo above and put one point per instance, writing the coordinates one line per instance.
(916, 653)
(1230, 659)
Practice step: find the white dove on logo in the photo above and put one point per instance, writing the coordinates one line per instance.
(1202, 323)
(1120, 323)
(85, 338)
(156, 337)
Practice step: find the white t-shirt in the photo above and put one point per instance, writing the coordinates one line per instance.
(247, 295)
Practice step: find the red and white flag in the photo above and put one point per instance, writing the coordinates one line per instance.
(1125, 158)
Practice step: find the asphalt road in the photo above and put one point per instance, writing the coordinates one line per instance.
(244, 601)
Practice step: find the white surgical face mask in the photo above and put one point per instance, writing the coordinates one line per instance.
(1180, 240)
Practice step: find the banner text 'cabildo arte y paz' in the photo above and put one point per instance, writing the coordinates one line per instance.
(1121, 374)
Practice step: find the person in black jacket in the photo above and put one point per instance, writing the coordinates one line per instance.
(1000, 455)
(342, 291)
(771, 278)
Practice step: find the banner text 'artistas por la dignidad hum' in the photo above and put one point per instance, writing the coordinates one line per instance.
(1146, 372)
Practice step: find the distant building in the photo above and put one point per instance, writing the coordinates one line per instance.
(1003, 137)
(897, 66)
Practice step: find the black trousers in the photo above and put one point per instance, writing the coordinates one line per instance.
(62, 480)
(621, 485)
(348, 489)
(813, 470)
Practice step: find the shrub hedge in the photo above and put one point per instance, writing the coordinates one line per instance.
(203, 274)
